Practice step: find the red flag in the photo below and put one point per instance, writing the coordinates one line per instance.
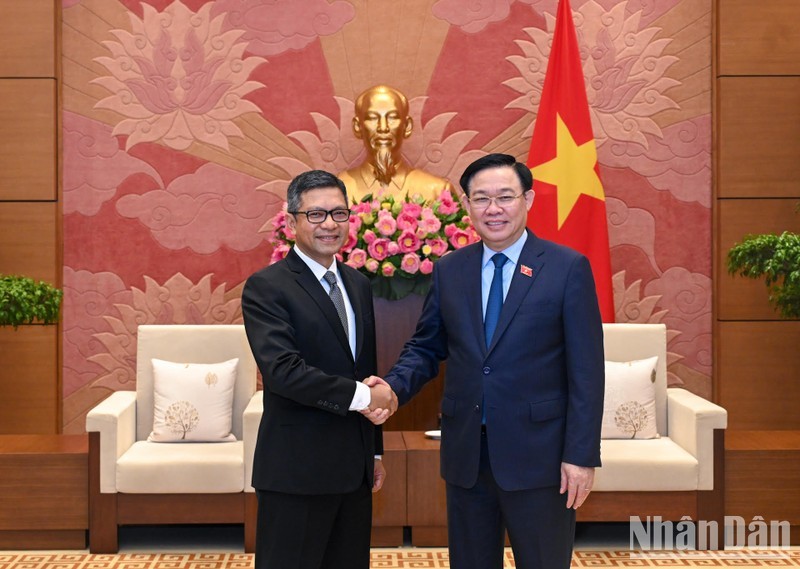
(569, 207)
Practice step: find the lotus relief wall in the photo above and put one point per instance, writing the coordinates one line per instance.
(184, 121)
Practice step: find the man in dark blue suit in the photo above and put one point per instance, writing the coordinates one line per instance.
(516, 318)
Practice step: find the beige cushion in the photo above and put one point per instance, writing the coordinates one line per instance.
(626, 342)
(192, 402)
(629, 406)
(645, 465)
(170, 468)
(192, 343)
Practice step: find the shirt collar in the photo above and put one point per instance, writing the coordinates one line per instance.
(374, 186)
(318, 270)
(513, 251)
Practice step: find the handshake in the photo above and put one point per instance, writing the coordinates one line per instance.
(382, 402)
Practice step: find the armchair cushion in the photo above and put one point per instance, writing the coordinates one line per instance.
(168, 468)
(629, 407)
(647, 465)
(193, 402)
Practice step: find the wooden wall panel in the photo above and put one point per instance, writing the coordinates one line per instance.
(28, 139)
(758, 369)
(759, 38)
(761, 473)
(29, 240)
(741, 298)
(27, 38)
(29, 397)
(758, 130)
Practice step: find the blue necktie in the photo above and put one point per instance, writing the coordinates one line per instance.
(495, 302)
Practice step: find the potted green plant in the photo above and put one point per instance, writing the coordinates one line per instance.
(25, 301)
(777, 258)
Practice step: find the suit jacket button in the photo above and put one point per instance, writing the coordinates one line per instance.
(477, 408)
(336, 406)
(487, 370)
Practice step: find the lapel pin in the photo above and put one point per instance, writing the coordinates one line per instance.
(526, 270)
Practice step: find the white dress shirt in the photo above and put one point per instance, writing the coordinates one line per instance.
(513, 252)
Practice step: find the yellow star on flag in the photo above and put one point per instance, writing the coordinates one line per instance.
(571, 171)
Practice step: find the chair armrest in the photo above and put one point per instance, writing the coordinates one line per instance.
(691, 421)
(115, 419)
(251, 421)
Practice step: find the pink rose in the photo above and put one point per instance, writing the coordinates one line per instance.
(406, 221)
(288, 233)
(430, 224)
(408, 242)
(447, 206)
(355, 223)
(357, 258)
(426, 267)
(421, 233)
(449, 229)
(394, 248)
(279, 252)
(412, 209)
(369, 236)
(352, 239)
(378, 249)
(438, 246)
(362, 207)
(339, 257)
(466, 220)
(410, 263)
(279, 220)
(371, 265)
(460, 238)
(386, 223)
(388, 269)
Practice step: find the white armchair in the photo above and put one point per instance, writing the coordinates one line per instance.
(681, 473)
(133, 481)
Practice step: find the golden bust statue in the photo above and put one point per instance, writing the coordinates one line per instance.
(382, 121)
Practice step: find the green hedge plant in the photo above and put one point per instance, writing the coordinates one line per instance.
(777, 258)
(25, 301)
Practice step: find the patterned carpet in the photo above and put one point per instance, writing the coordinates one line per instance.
(423, 558)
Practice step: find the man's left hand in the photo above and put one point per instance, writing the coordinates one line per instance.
(380, 475)
(577, 482)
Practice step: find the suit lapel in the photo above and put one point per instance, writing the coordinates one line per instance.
(307, 280)
(358, 306)
(472, 280)
(520, 284)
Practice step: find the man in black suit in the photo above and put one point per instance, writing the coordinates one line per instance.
(517, 319)
(310, 324)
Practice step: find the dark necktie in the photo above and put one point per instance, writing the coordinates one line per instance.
(495, 302)
(338, 300)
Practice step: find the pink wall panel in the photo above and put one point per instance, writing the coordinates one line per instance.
(169, 181)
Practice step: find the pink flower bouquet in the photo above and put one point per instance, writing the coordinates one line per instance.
(394, 242)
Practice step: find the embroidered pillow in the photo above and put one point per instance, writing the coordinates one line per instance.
(629, 408)
(193, 402)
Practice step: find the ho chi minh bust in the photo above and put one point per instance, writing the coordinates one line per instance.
(382, 122)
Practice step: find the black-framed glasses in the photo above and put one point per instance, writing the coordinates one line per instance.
(483, 202)
(339, 215)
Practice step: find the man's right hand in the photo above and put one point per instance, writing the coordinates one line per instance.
(383, 401)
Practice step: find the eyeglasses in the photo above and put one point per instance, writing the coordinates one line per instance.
(503, 202)
(320, 215)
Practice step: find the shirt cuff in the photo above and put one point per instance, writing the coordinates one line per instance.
(362, 397)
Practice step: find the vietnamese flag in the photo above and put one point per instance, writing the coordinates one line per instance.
(569, 207)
